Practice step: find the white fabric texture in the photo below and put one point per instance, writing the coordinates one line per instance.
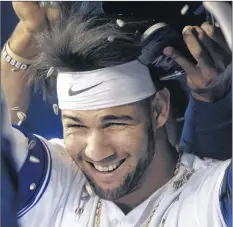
(222, 11)
(104, 88)
(194, 204)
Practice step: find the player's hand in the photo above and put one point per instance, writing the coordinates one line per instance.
(33, 16)
(208, 46)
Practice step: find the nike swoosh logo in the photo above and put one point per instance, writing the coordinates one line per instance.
(72, 93)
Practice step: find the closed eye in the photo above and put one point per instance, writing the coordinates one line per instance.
(114, 124)
(75, 126)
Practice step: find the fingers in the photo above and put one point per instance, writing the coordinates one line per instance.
(183, 62)
(194, 78)
(208, 54)
(211, 47)
(24, 9)
(215, 34)
(27, 3)
(195, 48)
(32, 16)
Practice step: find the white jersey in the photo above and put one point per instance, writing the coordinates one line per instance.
(55, 193)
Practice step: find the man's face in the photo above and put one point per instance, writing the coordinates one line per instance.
(112, 146)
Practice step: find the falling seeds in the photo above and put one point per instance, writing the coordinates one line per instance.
(55, 109)
(22, 117)
(120, 23)
(184, 10)
(34, 159)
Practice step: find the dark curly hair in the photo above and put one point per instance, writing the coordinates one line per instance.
(80, 41)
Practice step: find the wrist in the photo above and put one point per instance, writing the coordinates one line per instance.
(22, 42)
(32, 27)
(199, 97)
(213, 93)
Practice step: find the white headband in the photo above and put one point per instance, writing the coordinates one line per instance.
(104, 88)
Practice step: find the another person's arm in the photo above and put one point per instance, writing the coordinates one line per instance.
(22, 43)
(208, 120)
(16, 84)
(207, 130)
(17, 169)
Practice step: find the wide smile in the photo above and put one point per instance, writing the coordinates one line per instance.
(108, 168)
(107, 173)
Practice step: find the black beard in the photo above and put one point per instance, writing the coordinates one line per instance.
(133, 180)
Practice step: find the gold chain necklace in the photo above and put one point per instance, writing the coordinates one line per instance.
(98, 214)
(99, 205)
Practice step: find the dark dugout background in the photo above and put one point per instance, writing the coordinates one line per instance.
(40, 116)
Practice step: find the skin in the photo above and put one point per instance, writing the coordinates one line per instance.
(22, 42)
(32, 20)
(97, 137)
(129, 142)
(208, 47)
(104, 142)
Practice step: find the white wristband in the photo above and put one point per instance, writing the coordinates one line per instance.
(13, 59)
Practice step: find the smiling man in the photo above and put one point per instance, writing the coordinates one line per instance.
(115, 141)
(116, 165)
